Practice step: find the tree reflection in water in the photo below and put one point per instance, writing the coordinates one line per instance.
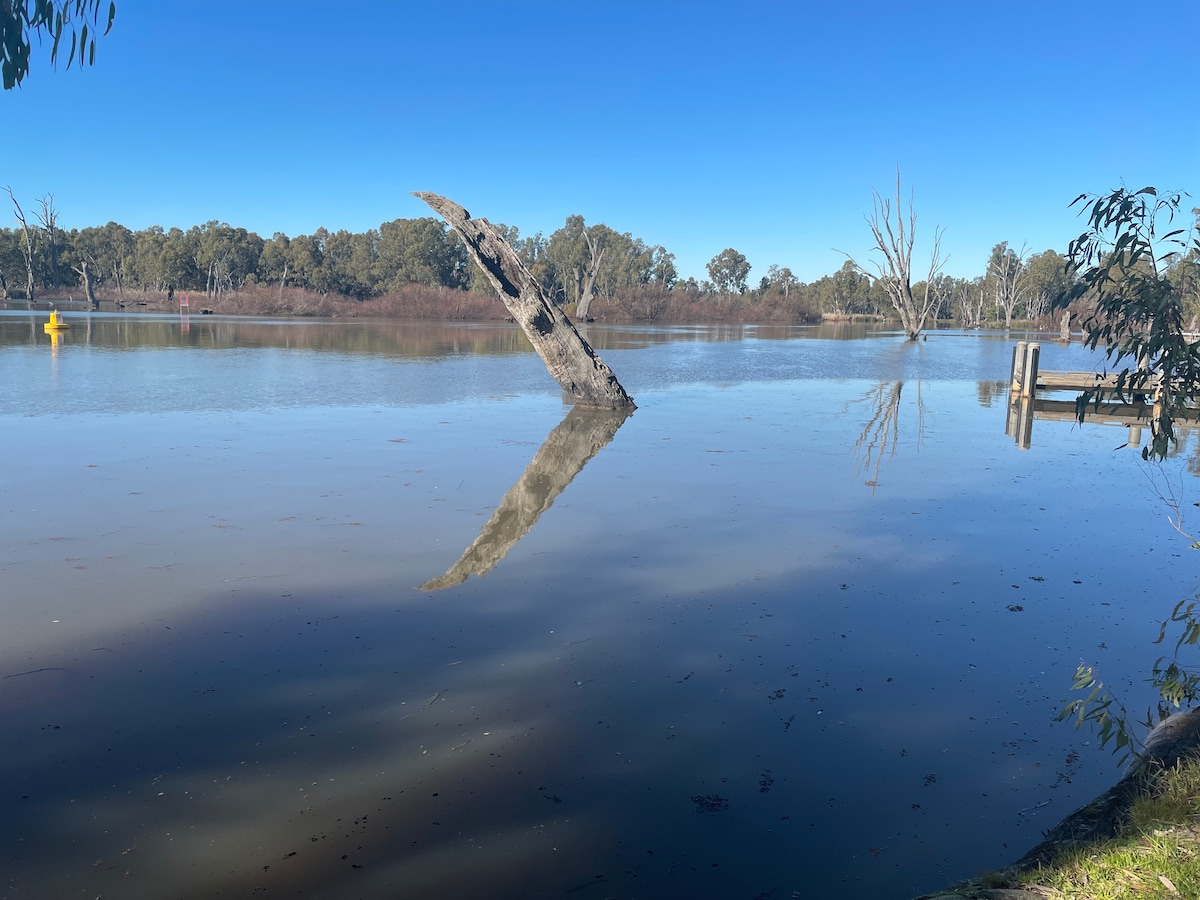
(575, 440)
(880, 436)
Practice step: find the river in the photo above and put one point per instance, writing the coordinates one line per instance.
(358, 609)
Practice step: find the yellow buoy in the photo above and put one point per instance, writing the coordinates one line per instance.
(56, 323)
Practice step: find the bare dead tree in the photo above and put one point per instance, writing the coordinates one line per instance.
(969, 302)
(1007, 268)
(596, 253)
(28, 250)
(88, 290)
(48, 219)
(895, 242)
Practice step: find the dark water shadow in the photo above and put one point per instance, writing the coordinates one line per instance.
(567, 449)
(314, 746)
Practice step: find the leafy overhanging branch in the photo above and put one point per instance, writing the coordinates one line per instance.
(21, 19)
(1122, 267)
(1123, 262)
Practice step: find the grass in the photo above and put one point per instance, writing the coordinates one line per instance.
(1155, 857)
(1158, 856)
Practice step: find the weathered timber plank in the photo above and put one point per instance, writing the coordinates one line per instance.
(569, 359)
(1083, 381)
(1103, 414)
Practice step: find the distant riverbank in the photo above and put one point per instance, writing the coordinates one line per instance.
(643, 305)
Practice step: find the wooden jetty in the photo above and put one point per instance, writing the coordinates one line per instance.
(1132, 410)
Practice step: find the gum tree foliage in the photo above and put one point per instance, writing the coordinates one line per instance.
(228, 256)
(845, 292)
(729, 271)
(1045, 278)
(1127, 264)
(779, 279)
(24, 21)
(419, 251)
(109, 252)
(1123, 265)
(581, 261)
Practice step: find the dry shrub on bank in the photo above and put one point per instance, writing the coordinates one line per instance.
(415, 301)
(641, 303)
(653, 303)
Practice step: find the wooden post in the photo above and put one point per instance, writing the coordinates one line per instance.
(568, 357)
(1019, 425)
(1018, 366)
(1029, 371)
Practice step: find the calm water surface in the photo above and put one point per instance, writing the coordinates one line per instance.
(358, 609)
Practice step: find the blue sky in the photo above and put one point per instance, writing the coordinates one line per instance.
(761, 126)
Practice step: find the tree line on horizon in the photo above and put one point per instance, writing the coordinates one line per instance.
(591, 270)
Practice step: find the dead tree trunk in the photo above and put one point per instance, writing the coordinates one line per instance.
(49, 220)
(87, 284)
(895, 273)
(567, 356)
(28, 249)
(589, 280)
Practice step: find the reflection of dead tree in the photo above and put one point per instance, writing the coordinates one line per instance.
(1170, 494)
(881, 435)
(567, 449)
(567, 356)
(882, 431)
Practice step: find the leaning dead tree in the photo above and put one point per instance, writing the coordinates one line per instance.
(895, 242)
(568, 357)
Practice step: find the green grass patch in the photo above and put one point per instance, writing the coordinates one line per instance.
(1157, 856)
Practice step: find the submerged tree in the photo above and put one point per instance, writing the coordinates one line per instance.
(894, 274)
